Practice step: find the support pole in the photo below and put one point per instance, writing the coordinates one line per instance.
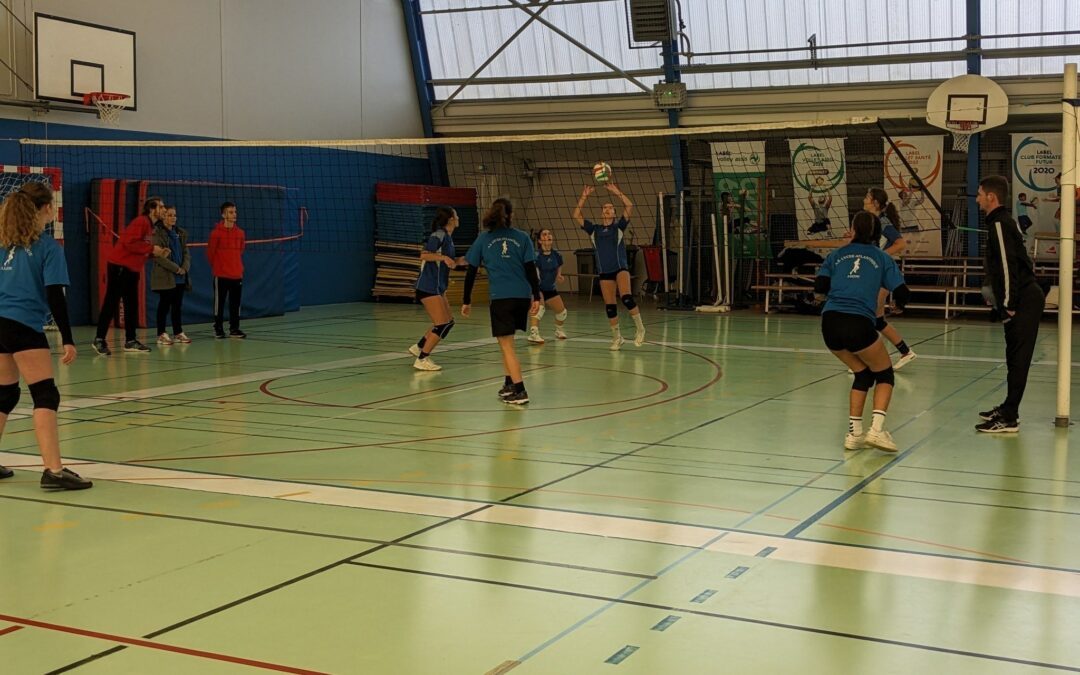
(1066, 244)
(974, 67)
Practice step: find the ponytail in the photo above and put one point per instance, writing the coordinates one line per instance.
(892, 214)
(443, 214)
(499, 215)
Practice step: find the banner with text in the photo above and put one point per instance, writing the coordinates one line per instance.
(819, 171)
(920, 222)
(1036, 188)
(738, 176)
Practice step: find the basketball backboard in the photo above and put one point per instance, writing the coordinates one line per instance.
(971, 103)
(74, 58)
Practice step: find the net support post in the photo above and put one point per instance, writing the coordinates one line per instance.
(973, 16)
(1066, 244)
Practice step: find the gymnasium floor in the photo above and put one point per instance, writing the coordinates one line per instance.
(304, 501)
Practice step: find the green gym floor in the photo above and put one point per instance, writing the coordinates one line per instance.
(304, 501)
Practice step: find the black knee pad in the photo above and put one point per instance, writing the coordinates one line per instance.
(628, 301)
(612, 311)
(443, 329)
(885, 376)
(9, 397)
(880, 323)
(864, 379)
(45, 394)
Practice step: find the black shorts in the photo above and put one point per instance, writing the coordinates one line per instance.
(852, 332)
(18, 337)
(610, 276)
(420, 295)
(509, 315)
(549, 294)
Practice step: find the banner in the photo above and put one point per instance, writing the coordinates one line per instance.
(920, 222)
(819, 171)
(1036, 188)
(738, 175)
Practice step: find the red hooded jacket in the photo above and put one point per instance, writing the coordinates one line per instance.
(225, 249)
(134, 247)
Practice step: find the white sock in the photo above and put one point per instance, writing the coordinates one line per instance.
(616, 333)
(638, 323)
(879, 421)
(854, 426)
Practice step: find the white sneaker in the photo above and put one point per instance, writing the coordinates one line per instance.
(164, 339)
(639, 338)
(534, 336)
(854, 442)
(426, 364)
(904, 360)
(882, 440)
(560, 334)
(414, 350)
(182, 338)
(617, 343)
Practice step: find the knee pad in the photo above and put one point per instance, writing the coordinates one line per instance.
(880, 323)
(443, 329)
(9, 397)
(885, 376)
(561, 316)
(864, 379)
(628, 301)
(45, 394)
(612, 311)
(540, 312)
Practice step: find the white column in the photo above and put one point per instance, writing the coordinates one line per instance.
(1066, 245)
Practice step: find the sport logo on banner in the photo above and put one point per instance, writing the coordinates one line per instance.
(738, 170)
(819, 171)
(1036, 188)
(920, 222)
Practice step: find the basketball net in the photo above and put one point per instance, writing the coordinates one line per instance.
(109, 106)
(961, 134)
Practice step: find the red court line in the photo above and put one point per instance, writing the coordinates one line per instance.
(9, 630)
(138, 642)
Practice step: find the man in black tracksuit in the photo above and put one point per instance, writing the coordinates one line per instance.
(1015, 295)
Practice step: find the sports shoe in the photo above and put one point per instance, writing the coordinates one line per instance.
(414, 350)
(101, 347)
(535, 337)
(517, 397)
(560, 334)
(426, 364)
(854, 442)
(506, 390)
(999, 425)
(991, 414)
(238, 334)
(639, 338)
(220, 334)
(164, 339)
(135, 346)
(65, 479)
(904, 360)
(882, 440)
(617, 344)
(6, 472)
(182, 338)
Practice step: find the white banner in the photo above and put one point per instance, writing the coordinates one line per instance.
(920, 222)
(1036, 188)
(819, 171)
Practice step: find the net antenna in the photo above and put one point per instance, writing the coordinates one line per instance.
(967, 105)
(109, 104)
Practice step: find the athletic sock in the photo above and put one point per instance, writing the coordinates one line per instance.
(903, 348)
(507, 382)
(519, 387)
(854, 426)
(879, 421)
(424, 355)
(616, 333)
(638, 323)
(423, 339)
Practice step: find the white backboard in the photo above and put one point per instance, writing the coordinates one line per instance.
(73, 58)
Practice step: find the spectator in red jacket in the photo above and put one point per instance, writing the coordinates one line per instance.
(225, 251)
(126, 260)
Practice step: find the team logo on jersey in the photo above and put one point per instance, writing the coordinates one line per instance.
(505, 248)
(855, 268)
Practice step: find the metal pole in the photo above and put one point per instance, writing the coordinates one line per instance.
(663, 241)
(974, 67)
(425, 92)
(1066, 244)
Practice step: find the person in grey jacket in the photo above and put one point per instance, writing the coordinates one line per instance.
(169, 276)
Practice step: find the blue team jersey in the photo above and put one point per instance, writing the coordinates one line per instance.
(609, 245)
(504, 253)
(548, 264)
(24, 274)
(857, 272)
(889, 233)
(435, 276)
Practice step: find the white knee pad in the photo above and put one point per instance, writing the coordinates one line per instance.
(561, 316)
(540, 312)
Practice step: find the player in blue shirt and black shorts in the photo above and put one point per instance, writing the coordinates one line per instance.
(549, 263)
(513, 285)
(892, 242)
(33, 276)
(611, 266)
(848, 282)
(436, 261)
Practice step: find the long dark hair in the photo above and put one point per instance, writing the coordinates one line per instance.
(881, 198)
(867, 228)
(150, 204)
(499, 215)
(443, 214)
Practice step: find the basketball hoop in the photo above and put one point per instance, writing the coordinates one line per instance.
(961, 133)
(108, 104)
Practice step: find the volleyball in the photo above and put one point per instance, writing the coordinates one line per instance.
(601, 171)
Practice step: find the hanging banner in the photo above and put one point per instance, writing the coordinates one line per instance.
(819, 171)
(739, 184)
(1036, 189)
(920, 222)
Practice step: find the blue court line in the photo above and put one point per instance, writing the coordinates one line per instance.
(704, 595)
(737, 572)
(666, 622)
(621, 655)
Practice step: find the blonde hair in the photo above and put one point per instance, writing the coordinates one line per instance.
(18, 215)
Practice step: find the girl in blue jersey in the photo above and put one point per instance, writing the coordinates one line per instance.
(549, 262)
(848, 282)
(611, 267)
(436, 261)
(513, 284)
(33, 276)
(892, 242)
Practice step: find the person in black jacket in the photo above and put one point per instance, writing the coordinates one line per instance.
(1012, 291)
